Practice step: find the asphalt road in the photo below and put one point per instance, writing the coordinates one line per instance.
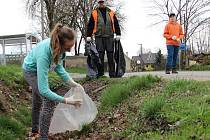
(188, 75)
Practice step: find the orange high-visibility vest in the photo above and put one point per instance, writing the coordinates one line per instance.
(95, 17)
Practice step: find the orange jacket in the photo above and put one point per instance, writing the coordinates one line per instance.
(171, 30)
(95, 16)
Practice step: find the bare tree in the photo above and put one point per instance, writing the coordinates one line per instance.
(67, 12)
(191, 13)
(64, 11)
(33, 8)
(49, 5)
(201, 39)
(74, 13)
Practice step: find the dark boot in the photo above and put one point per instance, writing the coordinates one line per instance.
(168, 71)
(174, 71)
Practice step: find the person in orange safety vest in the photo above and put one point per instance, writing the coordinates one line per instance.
(103, 24)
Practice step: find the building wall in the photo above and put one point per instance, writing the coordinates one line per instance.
(128, 64)
(76, 61)
(81, 61)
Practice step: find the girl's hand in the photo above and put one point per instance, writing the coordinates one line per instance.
(75, 102)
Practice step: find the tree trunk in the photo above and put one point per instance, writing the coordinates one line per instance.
(50, 4)
(80, 41)
(75, 49)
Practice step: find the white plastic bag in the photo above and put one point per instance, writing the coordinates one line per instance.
(68, 118)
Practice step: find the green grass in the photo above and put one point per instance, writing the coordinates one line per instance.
(55, 81)
(76, 70)
(13, 126)
(186, 100)
(200, 67)
(23, 115)
(120, 91)
(184, 104)
(152, 107)
(12, 76)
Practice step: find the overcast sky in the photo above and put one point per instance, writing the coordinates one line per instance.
(14, 21)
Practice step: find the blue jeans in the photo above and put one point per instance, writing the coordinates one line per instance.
(172, 57)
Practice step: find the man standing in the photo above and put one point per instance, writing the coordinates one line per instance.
(104, 24)
(173, 33)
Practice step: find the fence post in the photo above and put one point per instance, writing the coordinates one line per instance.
(26, 43)
(4, 56)
(30, 43)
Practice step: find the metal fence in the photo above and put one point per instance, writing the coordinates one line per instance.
(24, 43)
(15, 59)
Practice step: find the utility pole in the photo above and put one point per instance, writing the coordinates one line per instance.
(181, 53)
(208, 38)
(42, 18)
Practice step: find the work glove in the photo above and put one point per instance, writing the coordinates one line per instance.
(89, 39)
(174, 38)
(72, 83)
(118, 37)
(75, 102)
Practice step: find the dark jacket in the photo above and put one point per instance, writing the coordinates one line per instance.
(91, 23)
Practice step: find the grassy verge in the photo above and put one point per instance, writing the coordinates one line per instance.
(15, 122)
(179, 111)
(12, 76)
(152, 107)
(120, 91)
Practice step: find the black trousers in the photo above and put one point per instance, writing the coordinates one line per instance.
(106, 44)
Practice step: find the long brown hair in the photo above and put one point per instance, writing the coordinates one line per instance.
(59, 35)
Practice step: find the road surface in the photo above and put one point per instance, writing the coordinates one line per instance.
(188, 75)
